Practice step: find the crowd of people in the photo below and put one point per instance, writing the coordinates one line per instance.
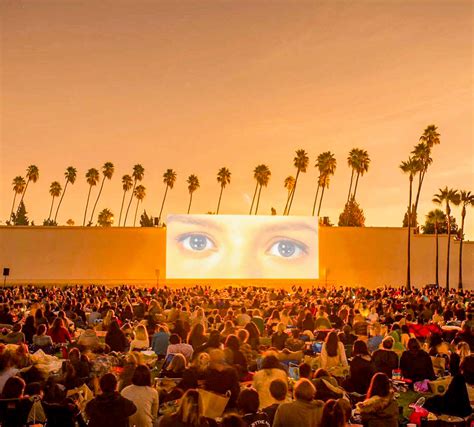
(231, 357)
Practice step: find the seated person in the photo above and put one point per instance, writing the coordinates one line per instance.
(459, 398)
(379, 407)
(362, 368)
(278, 391)
(40, 339)
(304, 411)
(385, 359)
(176, 346)
(247, 404)
(415, 363)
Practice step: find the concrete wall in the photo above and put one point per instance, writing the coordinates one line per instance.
(349, 256)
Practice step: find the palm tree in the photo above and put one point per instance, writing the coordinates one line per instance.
(467, 199)
(107, 172)
(289, 184)
(223, 178)
(105, 218)
(55, 191)
(300, 161)
(436, 217)
(326, 164)
(256, 174)
(422, 153)
(127, 184)
(32, 174)
(92, 178)
(410, 167)
(18, 188)
(138, 174)
(139, 193)
(169, 178)
(70, 175)
(193, 185)
(362, 166)
(352, 161)
(262, 180)
(447, 195)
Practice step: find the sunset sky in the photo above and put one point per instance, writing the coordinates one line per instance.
(196, 85)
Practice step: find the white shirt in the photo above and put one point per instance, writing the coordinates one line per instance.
(5, 375)
(185, 349)
(146, 400)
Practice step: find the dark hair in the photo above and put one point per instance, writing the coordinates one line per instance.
(142, 376)
(248, 401)
(270, 362)
(13, 388)
(278, 389)
(405, 329)
(41, 329)
(413, 345)
(435, 340)
(320, 372)
(336, 413)
(332, 343)
(360, 348)
(233, 420)
(304, 370)
(379, 385)
(467, 369)
(387, 343)
(108, 383)
(175, 339)
(232, 342)
(197, 331)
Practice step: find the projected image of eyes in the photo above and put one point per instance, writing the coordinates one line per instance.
(288, 249)
(207, 246)
(196, 242)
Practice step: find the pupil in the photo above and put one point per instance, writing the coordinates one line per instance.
(198, 243)
(286, 249)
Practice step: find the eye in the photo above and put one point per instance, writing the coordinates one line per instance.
(196, 242)
(287, 249)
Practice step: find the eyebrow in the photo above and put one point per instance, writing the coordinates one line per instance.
(195, 221)
(292, 226)
(211, 223)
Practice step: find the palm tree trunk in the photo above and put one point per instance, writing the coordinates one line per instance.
(13, 205)
(121, 207)
(163, 203)
(437, 253)
(129, 203)
(293, 192)
(321, 200)
(287, 201)
(448, 212)
(355, 186)
(190, 201)
(316, 198)
(258, 199)
(409, 238)
(350, 186)
(51, 210)
(87, 205)
(97, 200)
(420, 183)
(460, 251)
(23, 195)
(61, 200)
(219, 202)
(253, 199)
(136, 210)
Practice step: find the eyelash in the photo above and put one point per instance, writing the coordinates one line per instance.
(299, 245)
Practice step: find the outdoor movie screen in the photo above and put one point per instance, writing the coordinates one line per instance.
(241, 247)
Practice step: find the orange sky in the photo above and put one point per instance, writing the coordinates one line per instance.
(197, 85)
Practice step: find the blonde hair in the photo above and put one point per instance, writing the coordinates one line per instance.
(178, 363)
(281, 327)
(141, 333)
(463, 350)
(201, 362)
